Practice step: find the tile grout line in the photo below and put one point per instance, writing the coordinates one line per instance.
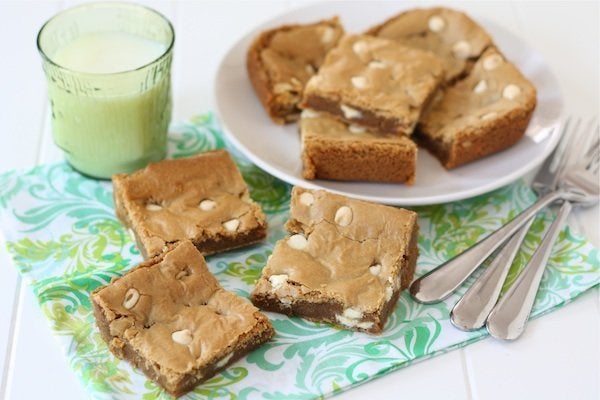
(469, 382)
(9, 359)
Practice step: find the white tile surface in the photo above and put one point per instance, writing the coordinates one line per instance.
(556, 359)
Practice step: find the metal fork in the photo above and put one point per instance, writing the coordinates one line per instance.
(441, 282)
(472, 310)
(579, 174)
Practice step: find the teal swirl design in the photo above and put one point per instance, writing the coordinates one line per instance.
(63, 237)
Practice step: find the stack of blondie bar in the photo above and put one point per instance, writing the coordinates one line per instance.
(432, 77)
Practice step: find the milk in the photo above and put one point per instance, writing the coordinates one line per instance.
(107, 53)
(109, 114)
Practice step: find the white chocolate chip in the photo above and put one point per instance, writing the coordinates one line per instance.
(359, 82)
(492, 62)
(278, 280)
(232, 225)
(310, 69)
(223, 361)
(296, 82)
(328, 35)
(308, 113)
(153, 207)
(356, 129)
(183, 337)
(307, 199)
(490, 115)
(365, 325)
(183, 273)
(480, 87)
(376, 64)
(343, 216)
(436, 23)
(350, 112)
(131, 234)
(285, 301)
(360, 47)
(461, 49)
(389, 292)
(131, 298)
(352, 313)
(207, 205)
(375, 269)
(282, 87)
(511, 92)
(297, 241)
(466, 144)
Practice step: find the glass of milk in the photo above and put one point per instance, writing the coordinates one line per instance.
(109, 83)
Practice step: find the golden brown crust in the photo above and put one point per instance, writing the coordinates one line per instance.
(279, 85)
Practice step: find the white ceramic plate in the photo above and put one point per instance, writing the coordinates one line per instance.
(276, 149)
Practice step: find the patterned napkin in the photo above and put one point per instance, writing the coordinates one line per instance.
(62, 234)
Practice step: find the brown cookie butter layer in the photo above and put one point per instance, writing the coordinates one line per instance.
(345, 262)
(201, 198)
(335, 150)
(451, 35)
(170, 318)
(280, 61)
(482, 114)
(375, 83)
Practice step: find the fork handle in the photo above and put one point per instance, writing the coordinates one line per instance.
(471, 311)
(507, 319)
(439, 283)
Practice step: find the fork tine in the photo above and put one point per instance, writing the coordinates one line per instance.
(566, 151)
(592, 156)
(590, 140)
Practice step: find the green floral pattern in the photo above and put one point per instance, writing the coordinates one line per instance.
(62, 234)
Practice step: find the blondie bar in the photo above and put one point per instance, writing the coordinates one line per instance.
(345, 261)
(281, 60)
(334, 150)
(451, 35)
(482, 114)
(375, 83)
(201, 198)
(170, 318)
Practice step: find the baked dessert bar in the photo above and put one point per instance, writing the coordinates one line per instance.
(450, 34)
(375, 83)
(345, 261)
(201, 198)
(170, 318)
(482, 114)
(335, 150)
(280, 61)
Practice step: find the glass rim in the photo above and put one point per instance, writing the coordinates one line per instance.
(162, 56)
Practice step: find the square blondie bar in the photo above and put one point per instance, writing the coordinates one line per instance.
(170, 318)
(375, 83)
(345, 262)
(482, 114)
(281, 60)
(201, 198)
(451, 35)
(335, 150)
